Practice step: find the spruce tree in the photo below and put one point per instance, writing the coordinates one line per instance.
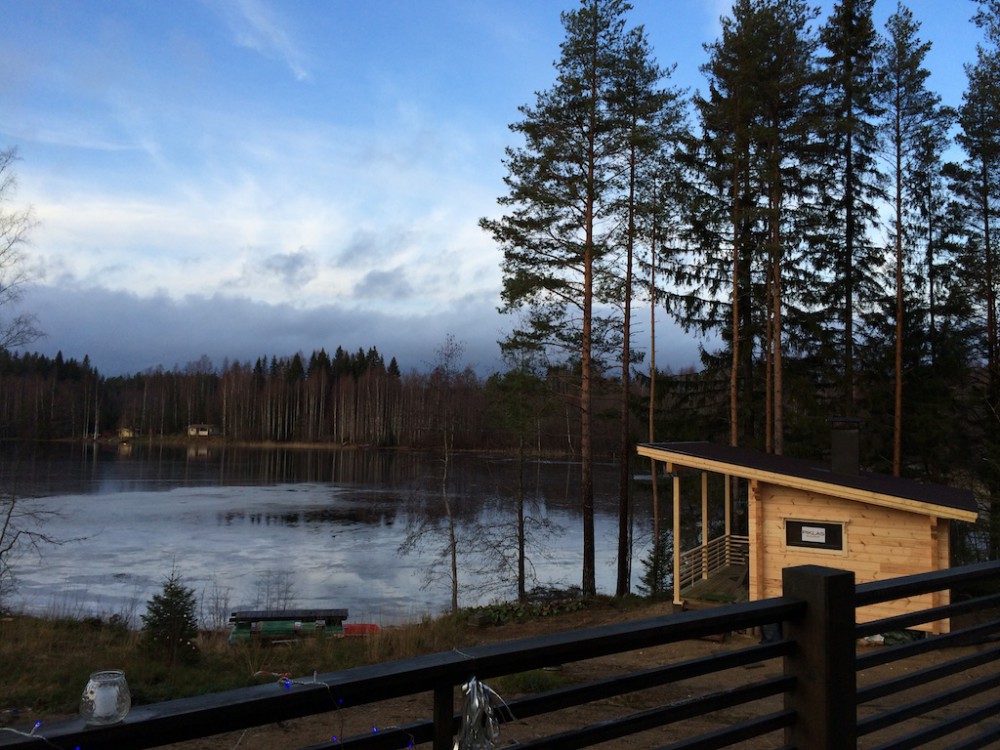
(851, 188)
(724, 214)
(976, 183)
(756, 167)
(170, 626)
(787, 147)
(912, 115)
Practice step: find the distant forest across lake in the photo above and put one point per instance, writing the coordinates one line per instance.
(344, 399)
(358, 399)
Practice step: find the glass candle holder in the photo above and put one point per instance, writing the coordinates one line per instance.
(106, 699)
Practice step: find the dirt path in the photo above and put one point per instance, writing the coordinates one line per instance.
(388, 714)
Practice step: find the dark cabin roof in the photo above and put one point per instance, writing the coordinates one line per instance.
(877, 489)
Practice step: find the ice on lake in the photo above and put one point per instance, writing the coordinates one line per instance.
(299, 544)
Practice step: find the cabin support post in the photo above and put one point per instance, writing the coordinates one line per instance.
(728, 502)
(678, 601)
(755, 509)
(824, 698)
(444, 717)
(704, 526)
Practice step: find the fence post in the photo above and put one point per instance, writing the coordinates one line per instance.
(823, 661)
(444, 716)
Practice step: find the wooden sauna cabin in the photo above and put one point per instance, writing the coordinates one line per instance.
(802, 512)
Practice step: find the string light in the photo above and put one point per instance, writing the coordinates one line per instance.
(32, 734)
(20, 733)
(279, 675)
(479, 724)
(284, 678)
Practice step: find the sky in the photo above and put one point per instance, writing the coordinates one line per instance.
(247, 178)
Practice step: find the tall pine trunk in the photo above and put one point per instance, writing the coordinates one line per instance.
(586, 449)
(657, 548)
(897, 422)
(625, 444)
(734, 379)
(777, 397)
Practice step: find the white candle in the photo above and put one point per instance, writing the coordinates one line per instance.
(105, 701)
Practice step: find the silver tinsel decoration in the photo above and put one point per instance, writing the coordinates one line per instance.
(480, 727)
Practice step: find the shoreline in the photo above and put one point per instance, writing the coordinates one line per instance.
(185, 441)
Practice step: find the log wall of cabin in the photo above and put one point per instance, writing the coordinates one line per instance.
(879, 543)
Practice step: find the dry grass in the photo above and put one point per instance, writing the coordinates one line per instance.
(47, 661)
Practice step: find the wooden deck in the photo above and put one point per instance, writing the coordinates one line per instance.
(724, 586)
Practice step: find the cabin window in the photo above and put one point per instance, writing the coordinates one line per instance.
(820, 535)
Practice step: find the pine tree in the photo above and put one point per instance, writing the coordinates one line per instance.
(650, 119)
(170, 626)
(557, 235)
(664, 191)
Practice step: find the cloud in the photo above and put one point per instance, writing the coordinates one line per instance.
(293, 270)
(367, 246)
(124, 333)
(255, 25)
(71, 134)
(385, 285)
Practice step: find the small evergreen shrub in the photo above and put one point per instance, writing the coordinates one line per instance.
(657, 577)
(170, 627)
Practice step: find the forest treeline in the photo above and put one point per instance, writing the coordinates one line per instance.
(344, 399)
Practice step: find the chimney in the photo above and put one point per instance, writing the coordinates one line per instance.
(844, 448)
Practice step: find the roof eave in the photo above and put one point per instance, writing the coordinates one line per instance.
(810, 485)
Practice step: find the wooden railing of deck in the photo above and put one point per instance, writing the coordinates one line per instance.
(703, 561)
(819, 679)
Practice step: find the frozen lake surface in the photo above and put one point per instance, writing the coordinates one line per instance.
(321, 542)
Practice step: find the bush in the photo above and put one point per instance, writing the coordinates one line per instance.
(657, 577)
(170, 627)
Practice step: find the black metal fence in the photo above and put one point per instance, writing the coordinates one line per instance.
(825, 693)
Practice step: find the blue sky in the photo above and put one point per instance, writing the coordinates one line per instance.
(241, 178)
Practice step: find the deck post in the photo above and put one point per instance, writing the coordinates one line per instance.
(823, 663)
(704, 526)
(728, 502)
(444, 717)
(678, 601)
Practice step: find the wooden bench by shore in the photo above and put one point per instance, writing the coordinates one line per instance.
(275, 624)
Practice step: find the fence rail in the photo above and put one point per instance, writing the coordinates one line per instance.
(921, 697)
(825, 698)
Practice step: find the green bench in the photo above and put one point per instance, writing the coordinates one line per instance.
(285, 624)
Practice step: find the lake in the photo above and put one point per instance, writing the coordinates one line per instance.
(308, 528)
